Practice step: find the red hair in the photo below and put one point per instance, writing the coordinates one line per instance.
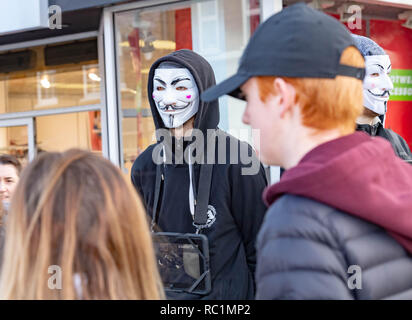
(325, 103)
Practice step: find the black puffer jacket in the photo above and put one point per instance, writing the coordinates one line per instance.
(308, 248)
(346, 205)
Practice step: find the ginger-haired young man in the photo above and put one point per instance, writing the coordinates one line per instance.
(339, 222)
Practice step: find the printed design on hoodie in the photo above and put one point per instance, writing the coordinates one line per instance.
(211, 216)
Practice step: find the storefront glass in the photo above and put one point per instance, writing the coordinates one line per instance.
(14, 141)
(60, 77)
(84, 128)
(218, 30)
(47, 85)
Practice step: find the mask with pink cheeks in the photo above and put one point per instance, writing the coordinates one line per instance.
(377, 85)
(176, 95)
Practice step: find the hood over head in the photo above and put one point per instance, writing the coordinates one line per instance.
(359, 175)
(207, 116)
(367, 46)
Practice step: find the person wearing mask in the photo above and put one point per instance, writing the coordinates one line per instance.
(77, 230)
(172, 189)
(377, 87)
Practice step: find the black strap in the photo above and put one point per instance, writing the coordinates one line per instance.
(202, 200)
(203, 194)
(349, 71)
(158, 187)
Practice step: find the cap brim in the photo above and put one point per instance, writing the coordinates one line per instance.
(230, 86)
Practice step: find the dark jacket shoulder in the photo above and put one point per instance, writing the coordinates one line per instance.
(307, 250)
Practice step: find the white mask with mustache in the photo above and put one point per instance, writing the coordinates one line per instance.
(377, 84)
(176, 95)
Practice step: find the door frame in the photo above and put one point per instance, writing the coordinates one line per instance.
(31, 134)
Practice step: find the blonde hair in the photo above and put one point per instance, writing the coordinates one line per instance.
(76, 211)
(325, 103)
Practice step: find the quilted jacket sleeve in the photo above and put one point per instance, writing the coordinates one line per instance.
(298, 256)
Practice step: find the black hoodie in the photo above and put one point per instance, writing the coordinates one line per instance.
(235, 198)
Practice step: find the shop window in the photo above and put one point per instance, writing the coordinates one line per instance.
(14, 141)
(71, 79)
(57, 132)
(91, 83)
(72, 130)
(46, 93)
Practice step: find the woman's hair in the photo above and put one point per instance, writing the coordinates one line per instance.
(74, 216)
(11, 160)
(325, 103)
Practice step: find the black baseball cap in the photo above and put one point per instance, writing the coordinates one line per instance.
(298, 42)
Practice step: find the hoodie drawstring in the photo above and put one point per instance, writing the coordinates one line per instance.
(191, 192)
